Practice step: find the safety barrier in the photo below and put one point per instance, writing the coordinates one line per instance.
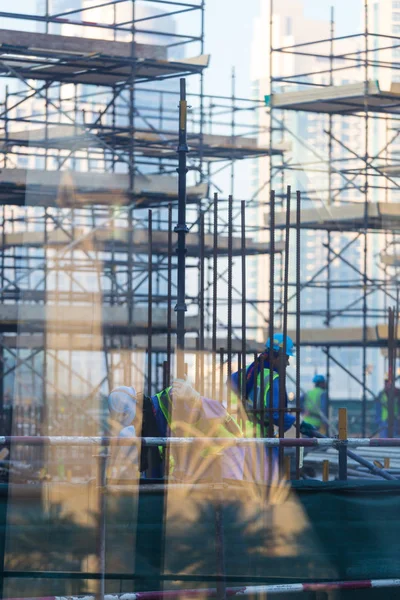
(249, 590)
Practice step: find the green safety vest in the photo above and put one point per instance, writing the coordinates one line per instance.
(384, 400)
(253, 421)
(312, 405)
(165, 402)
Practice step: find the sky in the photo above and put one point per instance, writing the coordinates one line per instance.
(228, 40)
(230, 46)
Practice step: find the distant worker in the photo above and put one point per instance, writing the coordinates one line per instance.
(253, 408)
(382, 410)
(176, 411)
(315, 405)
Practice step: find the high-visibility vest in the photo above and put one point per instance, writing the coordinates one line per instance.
(312, 405)
(253, 420)
(228, 429)
(384, 400)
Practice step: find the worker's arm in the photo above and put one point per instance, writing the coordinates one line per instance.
(288, 419)
(186, 401)
(324, 404)
(193, 407)
(378, 410)
(125, 463)
(235, 382)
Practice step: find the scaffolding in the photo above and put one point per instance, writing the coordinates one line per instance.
(89, 196)
(92, 293)
(349, 187)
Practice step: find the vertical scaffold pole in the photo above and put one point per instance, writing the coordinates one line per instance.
(181, 230)
(201, 306)
(342, 448)
(214, 298)
(298, 308)
(169, 299)
(230, 269)
(330, 190)
(365, 232)
(150, 304)
(244, 299)
(282, 365)
(271, 316)
(391, 373)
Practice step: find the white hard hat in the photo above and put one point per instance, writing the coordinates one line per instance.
(122, 403)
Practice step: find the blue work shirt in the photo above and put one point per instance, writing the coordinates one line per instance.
(160, 418)
(289, 419)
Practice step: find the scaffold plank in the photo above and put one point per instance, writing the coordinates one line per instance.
(34, 187)
(159, 144)
(390, 260)
(376, 335)
(75, 339)
(95, 342)
(119, 239)
(69, 59)
(33, 41)
(390, 170)
(381, 216)
(87, 318)
(340, 99)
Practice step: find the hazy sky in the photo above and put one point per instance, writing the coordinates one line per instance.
(228, 39)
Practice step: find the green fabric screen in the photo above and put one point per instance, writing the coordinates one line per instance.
(303, 532)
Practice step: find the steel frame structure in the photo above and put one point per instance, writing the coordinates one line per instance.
(110, 112)
(344, 167)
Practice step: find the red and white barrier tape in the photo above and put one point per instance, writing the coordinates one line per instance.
(239, 591)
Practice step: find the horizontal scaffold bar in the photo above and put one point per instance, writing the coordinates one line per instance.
(185, 441)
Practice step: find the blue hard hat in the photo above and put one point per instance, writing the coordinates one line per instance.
(278, 343)
(318, 379)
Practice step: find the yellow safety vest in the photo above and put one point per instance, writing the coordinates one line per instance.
(228, 429)
(384, 400)
(253, 421)
(312, 405)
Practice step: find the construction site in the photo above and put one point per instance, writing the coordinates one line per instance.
(198, 388)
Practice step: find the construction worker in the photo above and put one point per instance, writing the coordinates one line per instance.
(315, 405)
(178, 411)
(271, 358)
(382, 410)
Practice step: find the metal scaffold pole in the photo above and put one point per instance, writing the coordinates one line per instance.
(271, 312)
(298, 325)
(365, 232)
(283, 355)
(181, 229)
(330, 193)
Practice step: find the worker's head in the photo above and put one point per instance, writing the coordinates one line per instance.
(275, 349)
(122, 404)
(319, 381)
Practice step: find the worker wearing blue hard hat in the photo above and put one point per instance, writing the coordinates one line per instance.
(315, 404)
(258, 379)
